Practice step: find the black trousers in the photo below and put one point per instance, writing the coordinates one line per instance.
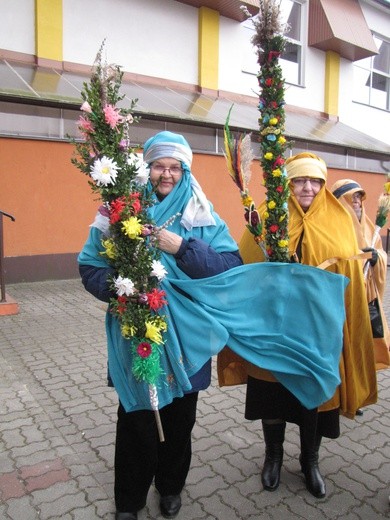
(140, 456)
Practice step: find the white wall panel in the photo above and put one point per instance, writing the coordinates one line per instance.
(17, 25)
(151, 37)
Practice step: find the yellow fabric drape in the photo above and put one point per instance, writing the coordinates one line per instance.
(376, 277)
(328, 232)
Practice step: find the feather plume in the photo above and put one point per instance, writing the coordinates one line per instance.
(239, 156)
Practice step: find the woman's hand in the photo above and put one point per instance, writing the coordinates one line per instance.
(168, 241)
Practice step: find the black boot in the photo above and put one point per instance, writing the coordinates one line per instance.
(273, 437)
(309, 465)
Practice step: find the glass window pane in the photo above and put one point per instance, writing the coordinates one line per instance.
(291, 52)
(290, 62)
(291, 15)
(380, 91)
(382, 60)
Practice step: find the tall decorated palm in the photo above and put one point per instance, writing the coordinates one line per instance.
(117, 177)
(271, 233)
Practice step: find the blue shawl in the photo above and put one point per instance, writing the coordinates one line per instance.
(177, 369)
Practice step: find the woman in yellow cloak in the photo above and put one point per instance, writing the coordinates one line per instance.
(351, 195)
(320, 229)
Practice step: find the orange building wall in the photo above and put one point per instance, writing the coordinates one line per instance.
(49, 198)
(53, 204)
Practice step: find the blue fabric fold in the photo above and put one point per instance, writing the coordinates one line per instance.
(286, 318)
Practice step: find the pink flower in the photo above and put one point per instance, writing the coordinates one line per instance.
(84, 124)
(112, 116)
(124, 144)
(86, 107)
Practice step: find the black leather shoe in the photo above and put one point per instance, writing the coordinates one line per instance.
(170, 505)
(359, 412)
(126, 516)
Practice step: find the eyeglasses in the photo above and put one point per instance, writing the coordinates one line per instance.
(357, 197)
(300, 182)
(173, 170)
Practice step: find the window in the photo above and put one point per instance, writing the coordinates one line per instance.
(372, 77)
(292, 14)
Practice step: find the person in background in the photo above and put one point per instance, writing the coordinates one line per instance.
(319, 229)
(351, 195)
(196, 245)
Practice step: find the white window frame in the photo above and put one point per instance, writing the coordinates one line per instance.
(367, 65)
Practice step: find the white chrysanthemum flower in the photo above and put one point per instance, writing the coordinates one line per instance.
(136, 160)
(158, 270)
(104, 171)
(124, 286)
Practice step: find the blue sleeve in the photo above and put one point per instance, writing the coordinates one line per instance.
(197, 259)
(96, 281)
(94, 270)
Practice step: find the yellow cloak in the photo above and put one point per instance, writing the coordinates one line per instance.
(376, 277)
(327, 232)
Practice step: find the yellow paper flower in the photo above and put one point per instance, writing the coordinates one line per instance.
(127, 330)
(153, 333)
(273, 121)
(160, 324)
(109, 247)
(282, 243)
(132, 227)
(247, 200)
(276, 173)
(387, 187)
(271, 204)
(266, 215)
(269, 156)
(281, 140)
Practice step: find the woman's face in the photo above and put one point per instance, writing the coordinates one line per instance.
(164, 175)
(357, 204)
(305, 189)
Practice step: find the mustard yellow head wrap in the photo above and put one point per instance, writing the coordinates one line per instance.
(306, 164)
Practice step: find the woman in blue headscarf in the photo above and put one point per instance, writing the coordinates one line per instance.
(195, 245)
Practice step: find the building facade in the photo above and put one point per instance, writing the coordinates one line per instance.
(186, 63)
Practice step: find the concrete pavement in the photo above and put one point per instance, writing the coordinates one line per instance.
(57, 427)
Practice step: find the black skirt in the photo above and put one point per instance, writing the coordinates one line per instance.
(266, 400)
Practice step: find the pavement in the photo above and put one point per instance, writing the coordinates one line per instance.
(57, 428)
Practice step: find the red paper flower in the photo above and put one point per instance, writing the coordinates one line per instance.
(272, 55)
(116, 208)
(122, 301)
(136, 204)
(156, 299)
(269, 82)
(279, 161)
(144, 349)
(273, 228)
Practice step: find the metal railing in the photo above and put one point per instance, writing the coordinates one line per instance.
(2, 283)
